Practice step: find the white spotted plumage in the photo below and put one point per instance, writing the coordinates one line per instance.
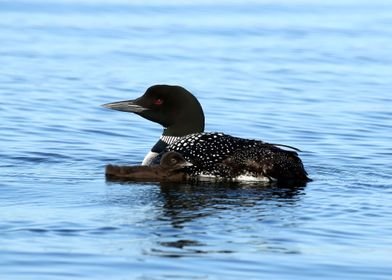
(223, 156)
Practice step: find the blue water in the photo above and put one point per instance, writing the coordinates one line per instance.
(312, 74)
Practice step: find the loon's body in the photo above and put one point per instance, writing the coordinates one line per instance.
(168, 169)
(211, 154)
(226, 157)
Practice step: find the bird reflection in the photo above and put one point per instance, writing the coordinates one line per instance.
(184, 204)
(187, 215)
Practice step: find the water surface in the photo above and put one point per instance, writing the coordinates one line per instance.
(303, 73)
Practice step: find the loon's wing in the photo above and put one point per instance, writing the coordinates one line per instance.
(285, 146)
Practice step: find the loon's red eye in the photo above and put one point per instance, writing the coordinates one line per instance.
(158, 101)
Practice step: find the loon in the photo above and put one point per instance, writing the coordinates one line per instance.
(169, 169)
(212, 154)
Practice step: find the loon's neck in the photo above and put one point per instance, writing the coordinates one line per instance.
(183, 127)
(160, 145)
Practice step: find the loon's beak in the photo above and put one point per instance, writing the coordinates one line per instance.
(186, 164)
(125, 106)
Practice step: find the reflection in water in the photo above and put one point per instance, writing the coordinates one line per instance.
(188, 219)
(184, 204)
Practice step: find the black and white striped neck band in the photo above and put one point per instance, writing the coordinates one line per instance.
(170, 139)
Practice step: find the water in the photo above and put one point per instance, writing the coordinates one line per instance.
(309, 74)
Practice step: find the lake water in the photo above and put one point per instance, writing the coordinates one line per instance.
(312, 74)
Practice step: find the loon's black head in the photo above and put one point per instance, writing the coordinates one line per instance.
(175, 108)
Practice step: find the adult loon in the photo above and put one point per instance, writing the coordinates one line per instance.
(169, 169)
(211, 154)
